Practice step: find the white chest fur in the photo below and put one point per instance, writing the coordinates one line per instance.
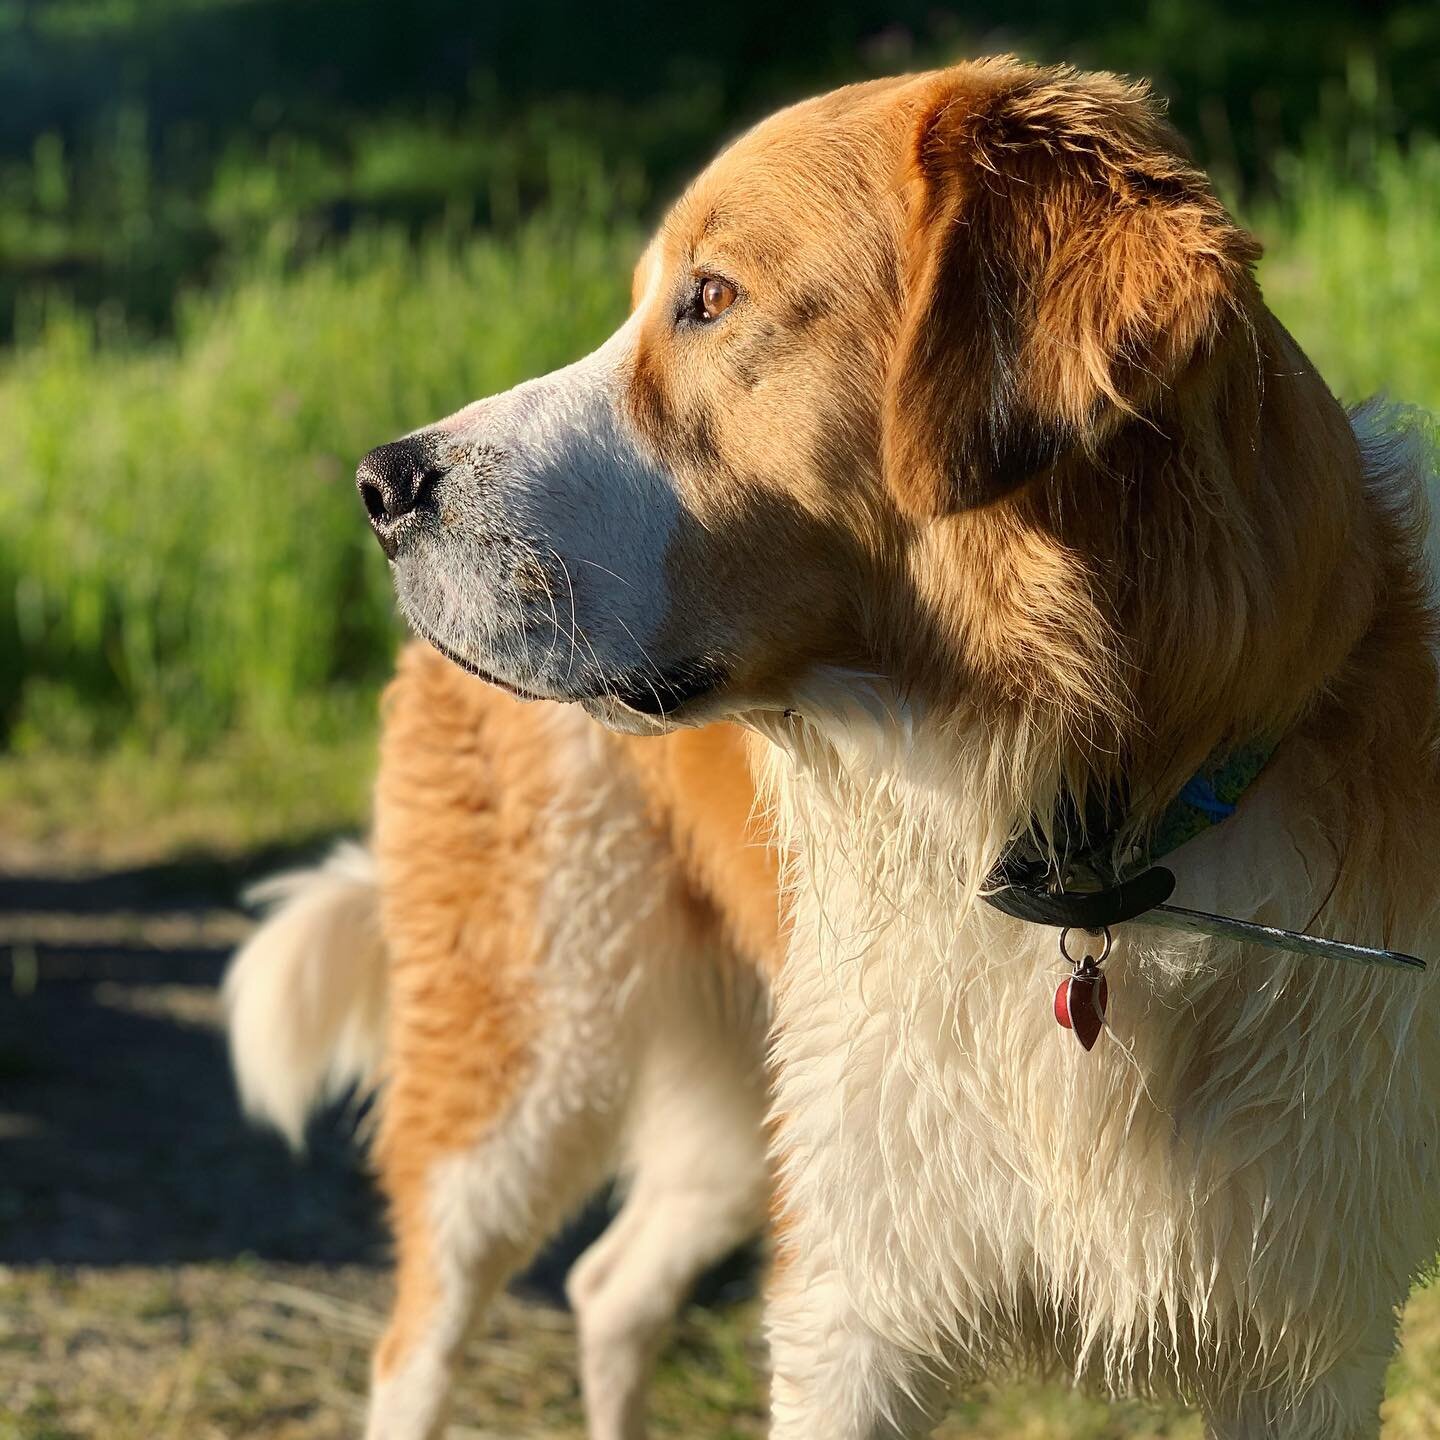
(1199, 1194)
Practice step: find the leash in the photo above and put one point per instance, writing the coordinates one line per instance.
(1077, 885)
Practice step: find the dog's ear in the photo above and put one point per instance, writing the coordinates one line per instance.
(1063, 266)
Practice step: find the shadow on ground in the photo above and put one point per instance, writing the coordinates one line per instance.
(120, 1140)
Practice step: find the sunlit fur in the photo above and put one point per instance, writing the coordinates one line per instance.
(1086, 512)
(997, 479)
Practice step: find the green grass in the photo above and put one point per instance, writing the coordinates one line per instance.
(134, 804)
(1354, 269)
(183, 554)
(228, 1350)
(184, 572)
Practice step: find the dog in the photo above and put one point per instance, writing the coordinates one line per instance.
(950, 451)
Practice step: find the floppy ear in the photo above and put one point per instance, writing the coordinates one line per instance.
(1064, 265)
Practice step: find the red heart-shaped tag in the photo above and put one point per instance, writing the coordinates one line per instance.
(1080, 1003)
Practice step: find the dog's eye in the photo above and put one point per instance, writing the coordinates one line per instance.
(712, 296)
(715, 295)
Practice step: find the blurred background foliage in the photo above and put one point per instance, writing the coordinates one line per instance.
(241, 241)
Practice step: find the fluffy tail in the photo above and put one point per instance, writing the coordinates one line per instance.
(305, 995)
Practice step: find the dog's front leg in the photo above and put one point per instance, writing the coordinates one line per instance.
(833, 1376)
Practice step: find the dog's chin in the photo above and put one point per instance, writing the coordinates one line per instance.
(490, 677)
(644, 701)
(619, 717)
(616, 714)
(665, 693)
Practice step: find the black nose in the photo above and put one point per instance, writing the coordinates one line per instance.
(396, 481)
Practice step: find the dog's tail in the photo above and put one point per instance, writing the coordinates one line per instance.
(305, 995)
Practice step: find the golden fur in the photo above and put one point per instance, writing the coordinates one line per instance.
(468, 774)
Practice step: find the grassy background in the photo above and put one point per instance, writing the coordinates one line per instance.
(183, 564)
(243, 241)
(217, 1351)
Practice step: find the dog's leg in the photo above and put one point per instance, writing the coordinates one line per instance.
(465, 1221)
(629, 1286)
(526, 895)
(698, 1189)
(833, 1376)
(504, 1107)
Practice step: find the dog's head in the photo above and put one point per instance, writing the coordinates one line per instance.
(896, 363)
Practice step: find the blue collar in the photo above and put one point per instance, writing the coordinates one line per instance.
(1037, 886)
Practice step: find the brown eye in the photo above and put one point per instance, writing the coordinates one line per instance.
(715, 295)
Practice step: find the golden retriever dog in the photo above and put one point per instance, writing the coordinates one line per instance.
(951, 453)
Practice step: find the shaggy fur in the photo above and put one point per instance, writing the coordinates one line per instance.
(997, 480)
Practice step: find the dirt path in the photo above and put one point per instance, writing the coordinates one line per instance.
(121, 1140)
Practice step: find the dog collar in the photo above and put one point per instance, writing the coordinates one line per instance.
(1088, 882)
(1084, 880)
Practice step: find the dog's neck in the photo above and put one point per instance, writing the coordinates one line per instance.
(895, 797)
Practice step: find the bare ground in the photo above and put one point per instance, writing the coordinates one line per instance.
(167, 1272)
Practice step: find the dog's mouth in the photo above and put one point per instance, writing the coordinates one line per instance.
(662, 692)
(656, 693)
(471, 668)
